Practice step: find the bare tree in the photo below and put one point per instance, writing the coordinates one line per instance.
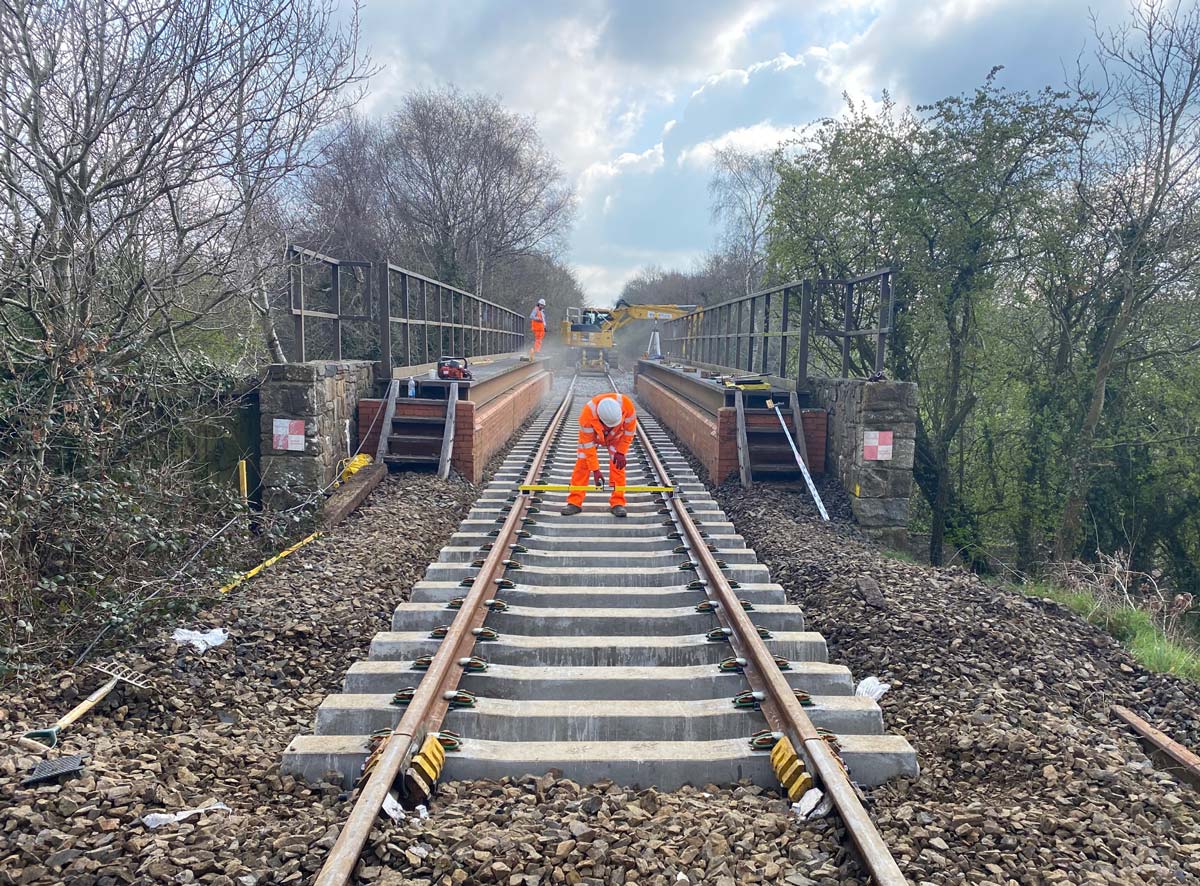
(144, 146)
(741, 189)
(1139, 189)
(471, 184)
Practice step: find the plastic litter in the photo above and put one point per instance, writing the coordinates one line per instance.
(872, 687)
(201, 641)
(422, 812)
(158, 819)
(813, 805)
(392, 807)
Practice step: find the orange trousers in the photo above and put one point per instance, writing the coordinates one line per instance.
(539, 333)
(582, 476)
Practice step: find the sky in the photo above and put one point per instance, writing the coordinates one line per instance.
(632, 96)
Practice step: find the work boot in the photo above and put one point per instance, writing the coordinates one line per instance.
(618, 511)
(570, 510)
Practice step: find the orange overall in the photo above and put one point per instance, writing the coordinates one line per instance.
(593, 433)
(537, 321)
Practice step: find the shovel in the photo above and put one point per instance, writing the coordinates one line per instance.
(48, 737)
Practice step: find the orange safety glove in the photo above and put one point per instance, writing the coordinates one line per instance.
(598, 479)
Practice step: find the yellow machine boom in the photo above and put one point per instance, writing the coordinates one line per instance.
(590, 331)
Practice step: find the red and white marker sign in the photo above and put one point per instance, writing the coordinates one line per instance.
(877, 445)
(287, 434)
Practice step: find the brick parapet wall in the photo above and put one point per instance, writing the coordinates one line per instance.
(492, 426)
(879, 491)
(324, 395)
(479, 433)
(714, 441)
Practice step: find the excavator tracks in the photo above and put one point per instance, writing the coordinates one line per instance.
(601, 666)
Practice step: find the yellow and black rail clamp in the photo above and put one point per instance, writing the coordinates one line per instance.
(790, 769)
(422, 774)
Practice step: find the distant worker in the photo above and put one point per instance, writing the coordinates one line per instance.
(608, 420)
(537, 321)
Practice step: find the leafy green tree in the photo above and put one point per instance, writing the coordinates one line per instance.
(944, 193)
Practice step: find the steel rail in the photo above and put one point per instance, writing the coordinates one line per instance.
(780, 706)
(428, 706)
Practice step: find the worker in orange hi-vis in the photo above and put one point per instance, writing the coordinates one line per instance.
(608, 420)
(537, 322)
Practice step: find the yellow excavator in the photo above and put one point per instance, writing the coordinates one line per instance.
(588, 332)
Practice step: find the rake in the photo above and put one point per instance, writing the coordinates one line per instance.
(117, 673)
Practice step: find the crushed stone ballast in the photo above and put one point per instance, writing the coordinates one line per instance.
(602, 664)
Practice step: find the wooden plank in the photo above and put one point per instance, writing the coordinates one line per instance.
(385, 428)
(351, 494)
(448, 433)
(798, 424)
(743, 447)
(1164, 750)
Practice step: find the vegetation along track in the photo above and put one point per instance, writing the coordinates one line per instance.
(601, 647)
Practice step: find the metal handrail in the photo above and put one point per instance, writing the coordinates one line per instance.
(737, 335)
(474, 326)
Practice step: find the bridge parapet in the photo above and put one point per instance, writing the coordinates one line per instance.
(871, 447)
(307, 426)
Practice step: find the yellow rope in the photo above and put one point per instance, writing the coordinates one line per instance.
(269, 561)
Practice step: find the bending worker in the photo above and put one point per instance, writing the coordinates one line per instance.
(537, 322)
(607, 420)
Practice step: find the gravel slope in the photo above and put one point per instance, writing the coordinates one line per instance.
(1024, 777)
(216, 724)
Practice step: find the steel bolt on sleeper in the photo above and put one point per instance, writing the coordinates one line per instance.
(403, 696)
(459, 698)
(752, 698)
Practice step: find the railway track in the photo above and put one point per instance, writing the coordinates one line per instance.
(603, 647)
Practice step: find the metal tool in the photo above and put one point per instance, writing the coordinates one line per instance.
(561, 487)
(48, 737)
(803, 467)
(453, 369)
(48, 770)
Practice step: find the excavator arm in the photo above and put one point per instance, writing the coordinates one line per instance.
(624, 313)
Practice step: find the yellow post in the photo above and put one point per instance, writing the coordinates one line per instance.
(243, 485)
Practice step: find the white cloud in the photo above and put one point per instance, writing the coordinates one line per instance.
(634, 97)
(740, 77)
(756, 139)
(603, 281)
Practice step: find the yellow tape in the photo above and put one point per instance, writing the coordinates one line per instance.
(268, 562)
(558, 487)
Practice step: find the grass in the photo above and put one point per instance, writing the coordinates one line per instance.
(902, 556)
(1135, 629)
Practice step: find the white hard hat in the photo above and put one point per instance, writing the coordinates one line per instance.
(542, 302)
(609, 411)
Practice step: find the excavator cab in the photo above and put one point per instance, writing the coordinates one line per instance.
(588, 333)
